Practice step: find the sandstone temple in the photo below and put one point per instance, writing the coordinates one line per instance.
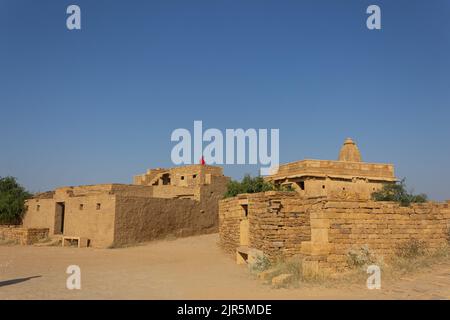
(348, 176)
(329, 213)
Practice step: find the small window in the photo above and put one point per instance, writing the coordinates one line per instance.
(194, 176)
(302, 185)
(81, 206)
(99, 206)
(245, 207)
(343, 188)
(323, 186)
(38, 207)
(182, 177)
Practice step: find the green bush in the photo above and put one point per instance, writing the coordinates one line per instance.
(397, 192)
(252, 185)
(262, 263)
(12, 198)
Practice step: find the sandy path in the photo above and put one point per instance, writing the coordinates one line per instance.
(189, 268)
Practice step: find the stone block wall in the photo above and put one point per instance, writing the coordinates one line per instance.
(278, 222)
(23, 236)
(230, 216)
(340, 226)
(324, 230)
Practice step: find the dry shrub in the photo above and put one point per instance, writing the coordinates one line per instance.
(361, 257)
(411, 249)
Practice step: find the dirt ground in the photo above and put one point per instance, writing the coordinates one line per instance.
(189, 268)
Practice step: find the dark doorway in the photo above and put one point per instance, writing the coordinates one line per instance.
(59, 217)
(165, 179)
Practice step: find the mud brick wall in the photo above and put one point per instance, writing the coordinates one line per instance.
(140, 219)
(23, 236)
(339, 226)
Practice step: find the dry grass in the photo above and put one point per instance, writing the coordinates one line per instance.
(412, 256)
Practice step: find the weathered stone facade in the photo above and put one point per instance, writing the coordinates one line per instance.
(186, 203)
(276, 222)
(338, 226)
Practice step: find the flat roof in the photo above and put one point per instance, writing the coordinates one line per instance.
(334, 168)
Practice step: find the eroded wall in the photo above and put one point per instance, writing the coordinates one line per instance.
(144, 219)
(278, 222)
(340, 226)
(23, 236)
(323, 230)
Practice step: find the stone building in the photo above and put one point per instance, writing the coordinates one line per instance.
(330, 214)
(347, 177)
(181, 201)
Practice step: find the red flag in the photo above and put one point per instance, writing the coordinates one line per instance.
(202, 161)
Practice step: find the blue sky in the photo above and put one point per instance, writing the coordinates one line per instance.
(98, 105)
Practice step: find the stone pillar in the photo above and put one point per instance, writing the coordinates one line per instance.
(318, 248)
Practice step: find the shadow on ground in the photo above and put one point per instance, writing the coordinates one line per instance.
(16, 281)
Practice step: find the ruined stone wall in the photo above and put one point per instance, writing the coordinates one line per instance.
(23, 236)
(323, 230)
(230, 216)
(278, 222)
(339, 226)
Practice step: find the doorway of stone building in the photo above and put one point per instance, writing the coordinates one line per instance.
(244, 227)
(59, 217)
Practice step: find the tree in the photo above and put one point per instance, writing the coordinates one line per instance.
(397, 192)
(12, 200)
(251, 185)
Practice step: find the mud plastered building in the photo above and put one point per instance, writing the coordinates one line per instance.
(178, 202)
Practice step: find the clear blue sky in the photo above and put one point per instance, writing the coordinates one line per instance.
(99, 105)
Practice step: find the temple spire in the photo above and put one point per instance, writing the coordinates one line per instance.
(349, 152)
